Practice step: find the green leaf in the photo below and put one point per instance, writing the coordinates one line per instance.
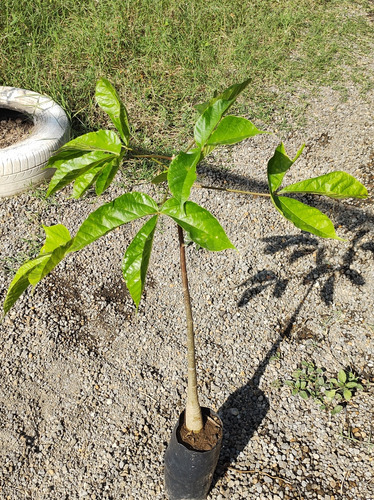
(336, 410)
(229, 94)
(304, 394)
(20, 282)
(44, 268)
(342, 376)
(106, 176)
(84, 181)
(203, 228)
(209, 120)
(69, 170)
(233, 129)
(330, 394)
(102, 140)
(108, 100)
(163, 177)
(335, 185)
(55, 236)
(136, 259)
(122, 210)
(278, 165)
(102, 174)
(182, 174)
(347, 394)
(305, 218)
(290, 383)
(56, 246)
(351, 385)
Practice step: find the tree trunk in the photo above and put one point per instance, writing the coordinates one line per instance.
(194, 419)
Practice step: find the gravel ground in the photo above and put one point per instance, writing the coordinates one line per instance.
(90, 391)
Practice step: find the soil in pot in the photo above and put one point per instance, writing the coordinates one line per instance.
(204, 440)
(14, 127)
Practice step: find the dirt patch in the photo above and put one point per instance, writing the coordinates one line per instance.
(14, 127)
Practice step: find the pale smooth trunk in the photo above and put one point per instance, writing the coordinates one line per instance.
(194, 419)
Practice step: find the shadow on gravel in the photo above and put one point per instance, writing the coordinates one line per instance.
(352, 216)
(326, 273)
(245, 409)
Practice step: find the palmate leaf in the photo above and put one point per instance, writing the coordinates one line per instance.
(335, 185)
(102, 174)
(108, 100)
(56, 246)
(136, 259)
(58, 243)
(305, 217)
(182, 174)
(77, 157)
(233, 129)
(302, 216)
(202, 226)
(123, 209)
(69, 170)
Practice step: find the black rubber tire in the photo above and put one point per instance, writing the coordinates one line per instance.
(22, 163)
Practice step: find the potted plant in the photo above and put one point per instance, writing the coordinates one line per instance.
(94, 159)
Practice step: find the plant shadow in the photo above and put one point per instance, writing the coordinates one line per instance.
(353, 218)
(245, 409)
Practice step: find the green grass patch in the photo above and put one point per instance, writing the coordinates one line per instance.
(164, 56)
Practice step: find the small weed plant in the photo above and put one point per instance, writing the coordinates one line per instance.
(333, 393)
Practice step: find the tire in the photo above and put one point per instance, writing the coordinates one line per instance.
(22, 163)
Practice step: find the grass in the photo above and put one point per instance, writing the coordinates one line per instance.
(165, 56)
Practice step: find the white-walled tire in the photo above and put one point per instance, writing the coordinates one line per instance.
(22, 163)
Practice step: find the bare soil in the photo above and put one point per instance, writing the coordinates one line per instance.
(14, 127)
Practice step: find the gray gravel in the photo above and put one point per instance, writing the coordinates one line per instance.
(90, 391)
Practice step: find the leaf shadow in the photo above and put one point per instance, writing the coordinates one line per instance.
(322, 270)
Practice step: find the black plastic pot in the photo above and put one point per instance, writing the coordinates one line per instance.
(189, 473)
